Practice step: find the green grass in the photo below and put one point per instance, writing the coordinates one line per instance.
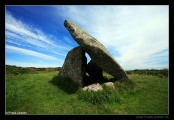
(47, 93)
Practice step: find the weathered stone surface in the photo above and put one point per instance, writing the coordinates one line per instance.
(96, 51)
(95, 73)
(74, 65)
(109, 84)
(93, 87)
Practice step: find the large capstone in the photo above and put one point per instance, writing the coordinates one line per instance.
(74, 66)
(96, 51)
(95, 72)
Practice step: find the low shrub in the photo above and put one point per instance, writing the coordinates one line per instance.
(107, 95)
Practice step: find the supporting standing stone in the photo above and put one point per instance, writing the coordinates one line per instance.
(96, 51)
(74, 65)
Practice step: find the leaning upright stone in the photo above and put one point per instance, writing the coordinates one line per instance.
(74, 66)
(96, 51)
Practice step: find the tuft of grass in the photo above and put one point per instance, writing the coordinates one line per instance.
(107, 95)
(126, 86)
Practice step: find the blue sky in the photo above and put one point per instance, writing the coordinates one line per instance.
(137, 36)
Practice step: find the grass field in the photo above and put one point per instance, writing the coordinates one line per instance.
(47, 93)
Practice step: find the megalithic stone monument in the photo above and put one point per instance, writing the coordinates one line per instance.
(98, 53)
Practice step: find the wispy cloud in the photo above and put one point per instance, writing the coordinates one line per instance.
(132, 34)
(13, 49)
(21, 33)
(38, 64)
(136, 36)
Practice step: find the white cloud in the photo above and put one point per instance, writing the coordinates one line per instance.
(29, 64)
(36, 62)
(67, 40)
(10, 41)
(13, 49)
(135, 33)
(23, 34)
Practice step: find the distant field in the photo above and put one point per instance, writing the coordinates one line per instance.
(46, 93)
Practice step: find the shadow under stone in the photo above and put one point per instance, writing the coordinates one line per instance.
(70, 87)
(88, 81)
(113, 80)
(65, 84)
